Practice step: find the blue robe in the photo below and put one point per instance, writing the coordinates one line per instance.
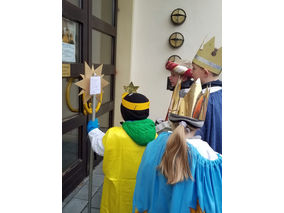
(211, 132)
(152, 193)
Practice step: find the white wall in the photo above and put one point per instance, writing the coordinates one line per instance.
(151, 28)
(123, 53)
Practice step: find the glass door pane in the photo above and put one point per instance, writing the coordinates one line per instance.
(76, 3)
(70, 41)
(101, 48)
(103, 9)
(104, 122)
(69, 148)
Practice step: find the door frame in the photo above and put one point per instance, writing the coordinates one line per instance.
(74, 175)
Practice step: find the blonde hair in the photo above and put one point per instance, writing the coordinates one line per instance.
(174, 164)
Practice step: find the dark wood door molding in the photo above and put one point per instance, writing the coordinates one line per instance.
(87, 22)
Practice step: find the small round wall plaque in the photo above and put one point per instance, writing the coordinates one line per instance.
(174, 58)
(178, 16)
(176, 39)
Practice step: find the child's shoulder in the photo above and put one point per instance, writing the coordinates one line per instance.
(115, 130)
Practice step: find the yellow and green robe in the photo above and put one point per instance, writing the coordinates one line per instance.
(122, 148)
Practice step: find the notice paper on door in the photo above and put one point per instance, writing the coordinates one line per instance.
(95, 85)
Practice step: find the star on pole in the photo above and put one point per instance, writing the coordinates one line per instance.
(85, 82)
(131, 88)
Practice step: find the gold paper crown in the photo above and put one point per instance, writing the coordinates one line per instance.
(193, 104)
(209, 57)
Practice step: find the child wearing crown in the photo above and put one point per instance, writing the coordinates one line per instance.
(207, 65)
(179, 172)
(182, 70)
(178, 71)
(122, 148)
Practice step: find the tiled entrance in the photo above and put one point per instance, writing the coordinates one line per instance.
(77, 201)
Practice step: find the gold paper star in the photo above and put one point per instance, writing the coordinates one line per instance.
(131, 88)
(198, 209)
(85, 82)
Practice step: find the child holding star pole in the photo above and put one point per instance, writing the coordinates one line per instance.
(122, 148)
(92, 84)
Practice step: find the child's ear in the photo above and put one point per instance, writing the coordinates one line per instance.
(206, 72)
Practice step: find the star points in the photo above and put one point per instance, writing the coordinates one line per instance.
(84, 84)
(131, 88)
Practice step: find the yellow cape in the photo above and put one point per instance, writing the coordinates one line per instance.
(122, 157)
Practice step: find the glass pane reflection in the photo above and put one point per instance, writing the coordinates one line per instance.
(75, 2)
(101, 48)
(104, 122)
(103, 9)
(69, 148)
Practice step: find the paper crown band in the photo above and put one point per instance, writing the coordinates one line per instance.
(135, 106)
(209, 63)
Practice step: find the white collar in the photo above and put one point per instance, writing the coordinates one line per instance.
(212, 89)
(203, 148)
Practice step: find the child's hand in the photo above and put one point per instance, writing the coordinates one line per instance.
(92, 125)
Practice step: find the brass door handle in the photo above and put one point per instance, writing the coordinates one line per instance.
(88, 107)
(67, 95)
